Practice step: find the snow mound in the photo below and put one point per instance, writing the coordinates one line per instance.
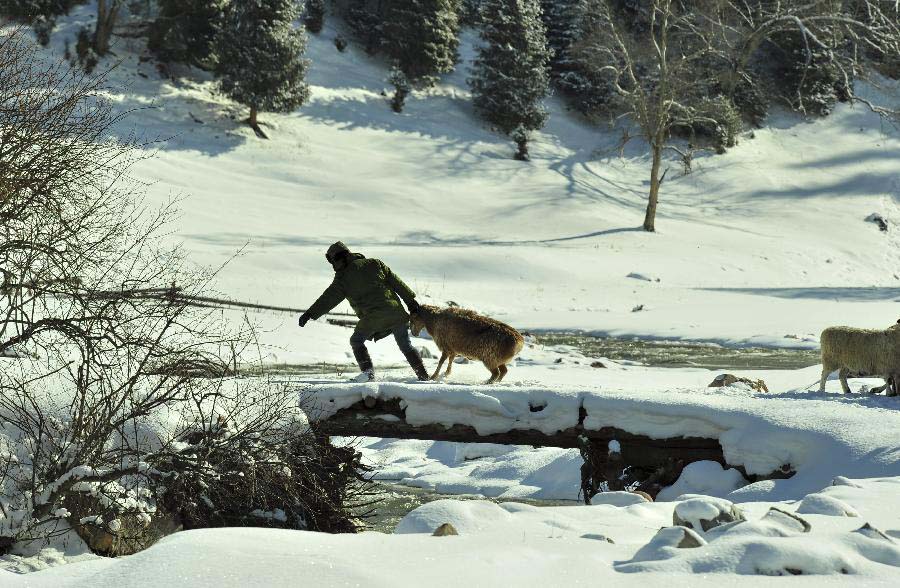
(826, 505)
(703, 477)
(468, 517)
(779, 544)
(618, 498)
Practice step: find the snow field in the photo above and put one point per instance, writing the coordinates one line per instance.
(518, 544)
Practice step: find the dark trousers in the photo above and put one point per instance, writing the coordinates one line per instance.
(400, 333)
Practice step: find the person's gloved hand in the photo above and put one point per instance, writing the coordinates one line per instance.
(304, 318)
(413, 307)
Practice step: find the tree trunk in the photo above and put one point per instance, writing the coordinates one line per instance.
(107, 11)
(254, 124)
(650, 217)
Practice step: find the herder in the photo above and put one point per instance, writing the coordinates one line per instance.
(374, 293)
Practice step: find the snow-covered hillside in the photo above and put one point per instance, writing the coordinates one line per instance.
(764, 245)
(765, 241)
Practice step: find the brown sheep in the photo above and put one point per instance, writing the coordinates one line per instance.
(862, 351)
(457, 331)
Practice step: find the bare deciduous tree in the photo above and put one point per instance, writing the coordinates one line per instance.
(660, 68)
(107, 14)
(111, 387)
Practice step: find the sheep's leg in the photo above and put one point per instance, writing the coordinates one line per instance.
(826, 370)
(434, 376)
(503, 369)
(892, 384)
(843, 375)
(495, 373)
(450, 358)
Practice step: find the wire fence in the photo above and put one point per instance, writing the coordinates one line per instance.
(174, 294)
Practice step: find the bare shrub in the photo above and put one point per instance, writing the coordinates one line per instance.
(105, 380)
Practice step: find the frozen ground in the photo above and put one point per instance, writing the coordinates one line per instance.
(765, 245)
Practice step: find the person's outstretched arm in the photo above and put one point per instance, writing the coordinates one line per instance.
(331, 297)
(403, 291)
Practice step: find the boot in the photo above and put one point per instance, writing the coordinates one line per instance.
(415, 362)
(367, 371)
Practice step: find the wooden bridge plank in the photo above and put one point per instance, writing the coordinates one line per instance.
(386, 419)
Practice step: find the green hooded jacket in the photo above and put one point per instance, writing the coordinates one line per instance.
(373, 291)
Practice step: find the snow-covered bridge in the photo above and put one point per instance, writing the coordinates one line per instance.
(654, 440)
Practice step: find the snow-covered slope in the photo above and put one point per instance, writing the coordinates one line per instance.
(765, 241)
(521, 545)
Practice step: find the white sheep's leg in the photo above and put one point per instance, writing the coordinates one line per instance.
(434, 376)
(844, 385)
(450, 358)
(503, 369)
(826, 371)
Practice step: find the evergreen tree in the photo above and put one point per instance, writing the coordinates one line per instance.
(41, 14)
(511, 76)
(560, 19)
(401, 88)
(314, 18)
(569, 23)
(365, 18)
(185, 31)
(422, 37)
(261, 62)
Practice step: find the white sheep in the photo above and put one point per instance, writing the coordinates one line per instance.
(862, 351)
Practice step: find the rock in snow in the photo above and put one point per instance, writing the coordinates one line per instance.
(703, 513)
(445, 530)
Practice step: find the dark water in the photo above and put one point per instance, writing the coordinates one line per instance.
(395, 501)
(676, 354)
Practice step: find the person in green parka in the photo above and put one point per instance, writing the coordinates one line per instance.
(374, 292)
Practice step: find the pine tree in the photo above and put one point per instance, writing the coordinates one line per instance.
(41, 14)
(261, 62)
(560, 19)
(569, 23)
(511, 76)
(314, 18)
(185, 31)
(422, 37)
(401, 88)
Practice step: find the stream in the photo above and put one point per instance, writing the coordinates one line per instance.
(395, 501)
